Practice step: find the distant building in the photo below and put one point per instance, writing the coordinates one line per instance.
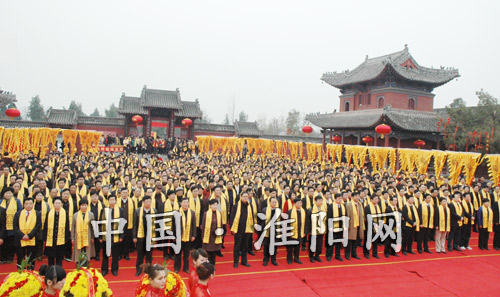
(392, 89)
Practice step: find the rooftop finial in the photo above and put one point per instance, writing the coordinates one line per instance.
(366, 58)
(406, 46)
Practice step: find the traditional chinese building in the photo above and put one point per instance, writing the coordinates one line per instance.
(162, 112)
(392, 89)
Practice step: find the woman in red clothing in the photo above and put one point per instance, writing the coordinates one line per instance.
(55, 276)
(199, 256)
(157, 277)
(206, 272)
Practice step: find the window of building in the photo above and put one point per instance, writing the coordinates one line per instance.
(411, 103)
(380, 102)
(346, 106)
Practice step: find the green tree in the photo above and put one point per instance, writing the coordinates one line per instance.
(481, 119)
(35, 110)
(293, 122)
(95, 113)
(77, 107)
(112, 112)
(243, 117)
(226, 120)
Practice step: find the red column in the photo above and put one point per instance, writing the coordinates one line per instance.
(386, 144)
(375, 140)
(399, 141)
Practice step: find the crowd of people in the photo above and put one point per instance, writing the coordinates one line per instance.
(47, 207)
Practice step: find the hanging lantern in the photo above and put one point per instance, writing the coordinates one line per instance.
(367, 139)
(307, 129)
(187, 122)
(336, 139)
(12, 113)
(419, 143)
(383, 130)
(137, 119)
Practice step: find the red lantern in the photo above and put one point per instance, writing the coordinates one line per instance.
(367, 139)
(137, 119)
(307, 129)
(383, 129)
(12, 113)
(336, 138)
(419, 143)
(187, 122)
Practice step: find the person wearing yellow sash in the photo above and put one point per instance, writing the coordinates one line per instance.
(316, 226)
(128, 207)
(70, 207)
(484, 223)
(242, 227)
(43, 207)
(496, 221)
(187, 233)
(113, 213)
(56, 233)
(223, 205)
(96, 206)
(82, 234)
(11, 205)
(269, 213)
(212, 239)
(27, 224)
(356, 215)
(141, 231)
(411, 224)
(5, 177)
(442, 224)
(426, 217)
(469, 218)
(298, 216)
(393, 219)
(456, 219)
(195, 204)
(336, 213)
(159, 198)
(373, 209)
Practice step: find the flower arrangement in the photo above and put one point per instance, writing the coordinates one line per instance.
(84, 282)
(23, 283)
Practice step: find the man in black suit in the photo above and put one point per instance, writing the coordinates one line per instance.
(456, 220)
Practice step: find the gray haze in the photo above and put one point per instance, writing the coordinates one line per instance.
(267, 55)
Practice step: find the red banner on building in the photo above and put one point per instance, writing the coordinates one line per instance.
(111, 149)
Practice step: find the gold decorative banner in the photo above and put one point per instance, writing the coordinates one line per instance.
(422, 160)
(494, 168)
(439, 162)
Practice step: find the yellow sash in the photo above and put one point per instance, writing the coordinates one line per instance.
(140, 228)
(425, 216)
(355, 216)
(293, 217)
(488, 219)
(458, 209)
(61, 231)
(444, 225)
(114, 226)
(335, 206)
(411, 214)
(314, 221)
(223, 207)
(195, 205)
(43, 212)
(208, 226)
(465, 204)
(186, 224)
(249, 223)
(130, 215)
(26, 226)
(82, 230)
(11, 212)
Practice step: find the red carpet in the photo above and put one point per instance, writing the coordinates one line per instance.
(467, 273)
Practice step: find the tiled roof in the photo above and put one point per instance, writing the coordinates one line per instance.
(161, 98)
(131, 105)
(102, 121)
(374, 67)
(408, 120)
(213, 127)
(190, 109)
(247, 129)
(22, 124)
(62, 117)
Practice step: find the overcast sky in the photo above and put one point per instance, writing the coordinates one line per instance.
(266, 55)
